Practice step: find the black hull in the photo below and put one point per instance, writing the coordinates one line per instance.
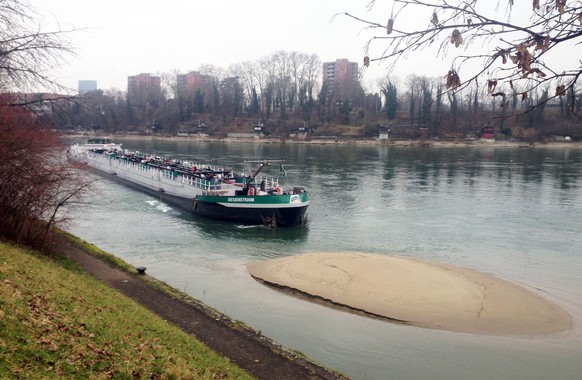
(279, 217)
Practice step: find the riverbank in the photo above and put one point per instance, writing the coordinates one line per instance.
(346, 141)
(57, 321)
(253, 352)
(421, 293)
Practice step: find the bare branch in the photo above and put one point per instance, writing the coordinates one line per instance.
(526, 54)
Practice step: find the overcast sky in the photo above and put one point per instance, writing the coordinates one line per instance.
(123, 38)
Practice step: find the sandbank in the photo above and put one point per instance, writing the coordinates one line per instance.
(416, 292)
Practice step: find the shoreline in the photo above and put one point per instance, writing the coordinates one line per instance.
(260, 356)
(346, 141)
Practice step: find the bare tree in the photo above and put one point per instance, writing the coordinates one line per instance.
(510, 49)
(246, 73)
(28, 51)
(291, 76)
(35, 179)
(313, 69)
(213, 71)
(169, 83)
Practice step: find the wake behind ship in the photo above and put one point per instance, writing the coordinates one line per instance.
(201, 189)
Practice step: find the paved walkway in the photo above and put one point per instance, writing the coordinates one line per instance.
(258, 355)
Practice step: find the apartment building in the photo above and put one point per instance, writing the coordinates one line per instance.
(143, 88)
(341, 78)
(340, 71)
(188, 84)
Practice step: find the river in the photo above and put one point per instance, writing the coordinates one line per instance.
(511, 212)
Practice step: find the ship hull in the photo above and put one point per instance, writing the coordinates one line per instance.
(270, 210)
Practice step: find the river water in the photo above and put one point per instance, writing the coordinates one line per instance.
(510, 212)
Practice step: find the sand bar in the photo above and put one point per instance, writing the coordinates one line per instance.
(421, 293)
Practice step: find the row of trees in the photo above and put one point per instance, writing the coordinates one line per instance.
(426, 103)
(282, 86)
(281, 82)
(413, 103)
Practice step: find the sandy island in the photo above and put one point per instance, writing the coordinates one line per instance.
(420, 293)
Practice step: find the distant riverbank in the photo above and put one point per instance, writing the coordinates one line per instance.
(347, 141)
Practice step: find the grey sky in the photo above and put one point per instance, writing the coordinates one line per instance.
(122, 38)
(129, 37)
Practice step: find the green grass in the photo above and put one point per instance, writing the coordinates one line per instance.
(122, 265)
(56, 321)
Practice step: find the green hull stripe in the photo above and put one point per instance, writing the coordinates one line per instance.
(258, 201)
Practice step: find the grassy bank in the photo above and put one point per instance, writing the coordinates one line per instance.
(56, 321)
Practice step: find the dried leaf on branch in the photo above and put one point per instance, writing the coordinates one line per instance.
(522, 58)
(501, 53)
(453, 80)
(561, 90)
(536, 4)
(539, 72)
(560, 5)
(456, 38)
(542, 43)
(524, 96)
(491, 84)
(504, 103)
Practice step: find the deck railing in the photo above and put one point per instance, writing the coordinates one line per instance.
(216, 184)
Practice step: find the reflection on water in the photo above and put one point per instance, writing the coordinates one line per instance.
(514, 213)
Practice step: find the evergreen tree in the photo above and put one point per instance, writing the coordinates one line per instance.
(390, 97)
(199, 102)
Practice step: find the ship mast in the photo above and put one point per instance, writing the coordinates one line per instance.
(262, 164)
